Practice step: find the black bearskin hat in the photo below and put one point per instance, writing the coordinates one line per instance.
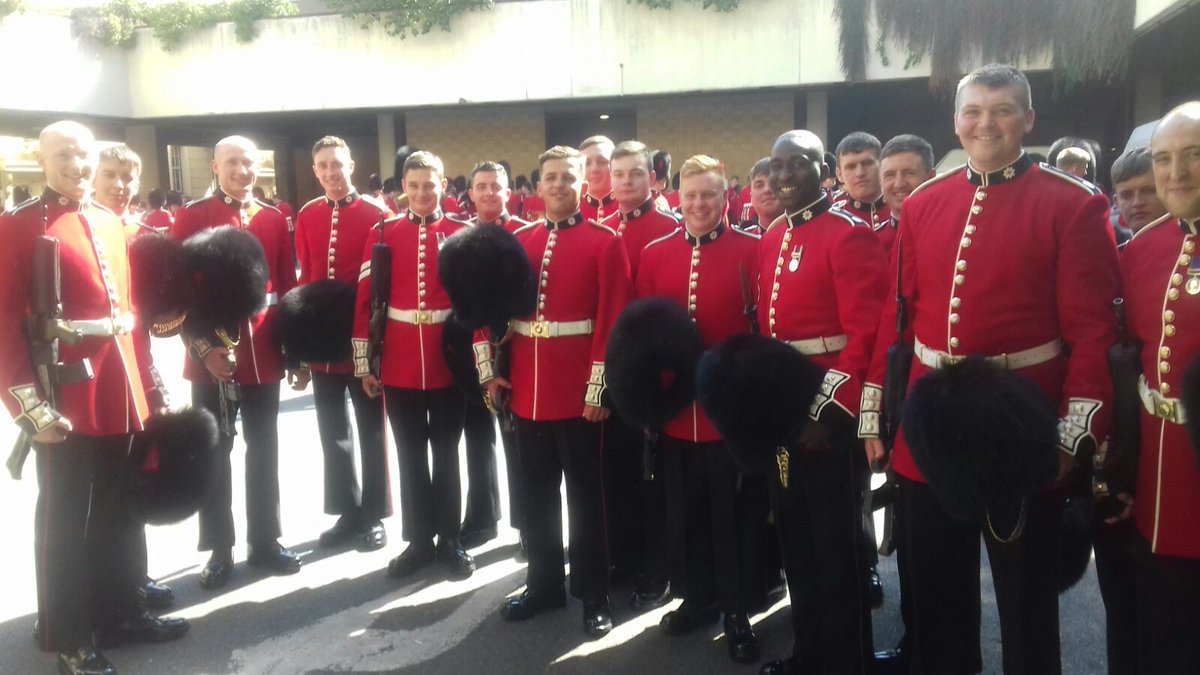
(316, 320)
(161, 286)
(172, 467)
(757, 391)
(457, 345)
(488, 277)
(650, 366)
(1075, 543)
(984, 437)
(229, 272)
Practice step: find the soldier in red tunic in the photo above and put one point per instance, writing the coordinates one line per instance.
(764, 206)
(905, 162)
(85, 545)
(424, 407)
(1009, 260)
(331, 233)
(598, 202)
(858, 172)
(491, 195)
(636, 520)
(703, 266)
(821, 281)
(260, 367)
(158, 218)
(118, 176)
(557, 387)
(1161, 271)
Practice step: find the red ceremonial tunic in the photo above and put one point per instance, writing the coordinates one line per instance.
(639, 227)
(510, 223)
(330, 238)
(583, 276)
(597, 209)
(533, 208)
(877, 214)
(95, 284)
(159, 220)
(821, 276)
(289, 214)
(1162, 312)
(703, 275)
(412, 349)
(1003, 262)
(259, 358)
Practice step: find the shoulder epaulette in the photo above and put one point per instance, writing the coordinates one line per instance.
(665, 237)
(1073, 180)
(941, 176)
(197, 202)
(461, 221)
(311, 202)
(604, 227)
(17, 208)
(746, 234)
(668, 213)
(854, 220)
(526, 227)
(782, 218)
(1151, 225)
(267, 205)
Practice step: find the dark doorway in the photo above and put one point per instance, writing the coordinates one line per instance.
(569, 127)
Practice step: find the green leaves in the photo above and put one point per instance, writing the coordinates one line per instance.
(408, 17)
(115, 23)
(715, 5)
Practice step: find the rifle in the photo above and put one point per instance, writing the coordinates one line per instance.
(381, 288)
(43, 330)
(1115, 462)
(895, 387)
(750, 307)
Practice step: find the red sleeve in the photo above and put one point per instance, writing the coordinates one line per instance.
(644, 284)
(23, 398)
(285, 261)
(362, 311)
(858, 267)
(187, 222)
(306, 272)
(615, 291)
(885, 336)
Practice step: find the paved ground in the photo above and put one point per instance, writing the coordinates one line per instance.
(341, 614)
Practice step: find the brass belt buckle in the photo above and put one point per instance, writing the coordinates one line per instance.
(539, 329)
(424, 317)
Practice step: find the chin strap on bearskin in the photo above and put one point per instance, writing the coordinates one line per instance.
(316, 321)
(986, 441)
(161, 289)
(757, 392)
(653, 351)
(488, 277)
(172, 467)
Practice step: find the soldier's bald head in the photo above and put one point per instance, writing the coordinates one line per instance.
(235, 163)
(67, 129)
(67, 156)
(1175, 157)
(802, 138)
(236, 143)
(797, 168)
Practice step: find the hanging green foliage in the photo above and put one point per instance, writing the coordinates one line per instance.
(407, 17)
(1090, 39)
(715, 5)
(10, 7)
(115, 23)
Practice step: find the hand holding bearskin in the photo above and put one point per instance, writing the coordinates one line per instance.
(986, 440)
(161, 287)
(653, 351)
(316, 321)
(757, 391)
(488, 277)
(172, 467)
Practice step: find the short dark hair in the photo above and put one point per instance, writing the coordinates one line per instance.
(329, 142)
(661, 162)
(761, 167)
(996, 76)
(564, 152)
(174, 198)
(122, 155)
(858, 141)
(909, 143)
(497, 168)
(634, 149)
(374, 182)
(1131, 164)
(389, 184)
(157, 198)
(258, 192)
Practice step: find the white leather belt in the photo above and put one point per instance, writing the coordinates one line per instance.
(932, 358)
(419, 317)
(552, 329)
(820, 345)
(272, 299)
(1169, 409)
(109, 327)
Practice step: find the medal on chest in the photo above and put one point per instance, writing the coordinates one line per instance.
(795, 263)
(1193, 281)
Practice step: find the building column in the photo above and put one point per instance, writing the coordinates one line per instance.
(143, 139)
(385, 124)
(817, 114)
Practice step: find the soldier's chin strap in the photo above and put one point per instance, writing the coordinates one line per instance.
(1018, 528)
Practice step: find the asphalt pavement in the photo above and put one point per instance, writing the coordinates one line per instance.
(341, 614)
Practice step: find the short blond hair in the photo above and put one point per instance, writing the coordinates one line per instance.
(560, 152)
(1073, 158)
(596, 140)
(699, 164)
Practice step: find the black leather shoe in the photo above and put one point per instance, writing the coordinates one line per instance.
(739, 634)
(597, 619)
(155, 595)
(217, 570)
(275, 558)
(688, 618)
(84, 661)
(345, 529)
(891, 662)
(373, 537)
(650, 597)
(474, 537)
(781, 667)
(416, 556)
(145, 628)
(459, 564)
(874, 589)
(525, 605)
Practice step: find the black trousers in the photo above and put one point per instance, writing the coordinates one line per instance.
(1116, 548)
(483, 490)
(343, 496)
(85, 547)
(550, 452)
(716, 550)
(259, 407)
(941, 556)
(1168, 611)
(424, 421)
(512, 466)
(622, 479)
